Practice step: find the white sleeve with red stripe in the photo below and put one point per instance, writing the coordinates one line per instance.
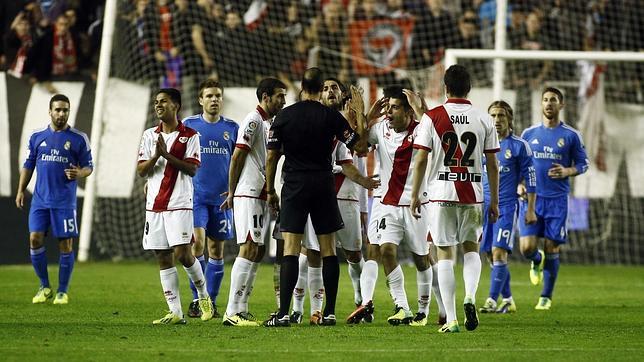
(372, 137)
(491, 137)
(145, 148)
(424, 134)
(342, 154)
(193, 150)
(248, 130)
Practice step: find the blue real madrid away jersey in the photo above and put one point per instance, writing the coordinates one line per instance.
(50, 153)
(515, 164)
(562, 145)
(217, 145)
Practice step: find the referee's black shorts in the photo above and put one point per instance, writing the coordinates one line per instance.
(311, 192)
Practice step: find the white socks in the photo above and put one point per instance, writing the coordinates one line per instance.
(276, 282)
(195, 273)
(238, 278)
(447, 284)
(437, 291)
(302, 281)
(250, 282)
(471, 274)
(316, 289)
(170, 285)
(368, 279)
(396, 281)
(355, 269)
(424, 283)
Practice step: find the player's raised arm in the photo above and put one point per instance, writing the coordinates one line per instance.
(352, 172)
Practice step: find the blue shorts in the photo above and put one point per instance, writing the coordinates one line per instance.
(501, 233)
(218, 223)
(551, 219)
(62, 221)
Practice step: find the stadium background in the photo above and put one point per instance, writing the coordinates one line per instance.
(370, 43)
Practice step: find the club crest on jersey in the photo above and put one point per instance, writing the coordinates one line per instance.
(561, 142)
(226, 135)
(183, 139)
(508, 154)
(67, 145)
(257, 233)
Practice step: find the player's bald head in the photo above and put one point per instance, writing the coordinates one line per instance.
(313, 80)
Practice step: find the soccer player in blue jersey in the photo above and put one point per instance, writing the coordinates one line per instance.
(217, 135)
(61, 155)
(515, 165)
(557, 154)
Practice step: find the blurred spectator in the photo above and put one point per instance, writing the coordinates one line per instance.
(470, 38)
(396, 9)
(367, 10)
(331, 36)
(527, 75)
(206, 32)
(17, 43)
(8, 12)
(52, 9)
(238, 60)
(55, 54)
(434, 30)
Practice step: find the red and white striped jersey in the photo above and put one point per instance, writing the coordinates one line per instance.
(394, 153)
(458, 135)
(168, 188)
(252, 136)
(345, 189)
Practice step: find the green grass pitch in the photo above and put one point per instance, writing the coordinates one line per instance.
(597, 315)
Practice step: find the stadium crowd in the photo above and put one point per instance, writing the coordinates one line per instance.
(175, 42)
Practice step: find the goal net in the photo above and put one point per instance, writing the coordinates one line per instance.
(165, 43)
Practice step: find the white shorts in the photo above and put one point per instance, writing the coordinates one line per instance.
(166, 229)
(452, 224)
(349, 237)
(252, 220)
(395, 224)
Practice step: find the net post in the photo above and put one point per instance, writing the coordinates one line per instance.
(499, 45)
(109, 20)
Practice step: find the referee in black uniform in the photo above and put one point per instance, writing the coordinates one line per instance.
(304, 132)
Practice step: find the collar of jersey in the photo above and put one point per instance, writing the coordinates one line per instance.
(180, 127)
(262, 113)
(458, 101)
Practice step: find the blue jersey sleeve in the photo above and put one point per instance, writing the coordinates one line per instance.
(30, 162)
(85, 154)
(579, 155)
(527, 168)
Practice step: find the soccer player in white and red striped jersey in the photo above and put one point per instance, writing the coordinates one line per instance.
(169, 156)
(391, 220)
(459, 137)
(247, 188)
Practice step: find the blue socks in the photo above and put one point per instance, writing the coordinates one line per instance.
(498, 278)
(506, 292)
(214, 276)
(202, 261)
(39, 261)
(535, 256)
(66, 266)
(550, 271)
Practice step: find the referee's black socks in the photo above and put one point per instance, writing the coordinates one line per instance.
(331, 277)
(288, 279)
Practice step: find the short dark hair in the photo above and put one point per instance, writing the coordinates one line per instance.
(210, 83)
(396, 92)
(555, 91)
(268, 85)
(58, 98)
(312, 81)
(457, 81)
(174, 94)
